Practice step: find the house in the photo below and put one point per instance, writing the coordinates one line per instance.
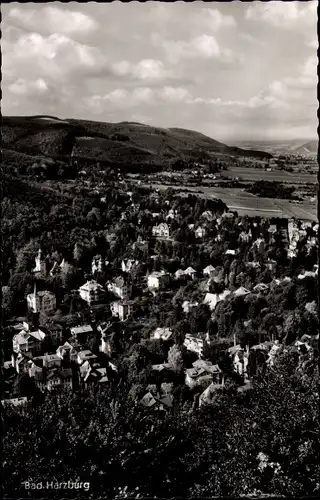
(232, 251)
(241, 291)
(158, 402)
(158, 280)
(68, 352)
(14, 401)
(55, 379)
(194, 343)
(201, 372)
(161, 367)
(161, 231)
(228, 215)
(40, 268)
(209, 270)
(128, 265)
(180, 274)
(306, 274)
(259, 245)
(271, 264)
(190, 272)
(200, 232)
(239, 358)
(172, 214)
(20, 361)
(91, 292)
(162, 334)
(122, 309)
(272, 228)
(98, 264)
(106, 343)
(85, 355)
(81, 330)
(207, 215)
(245, 237)
(208, 394)
(28, 341)
(48, 360)
(273, 353)
(187, 306)
(253, 264)
(212, 299)
(261, 287)
(120, 288)
(44, 302)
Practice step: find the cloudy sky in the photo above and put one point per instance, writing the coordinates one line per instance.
(233, 71)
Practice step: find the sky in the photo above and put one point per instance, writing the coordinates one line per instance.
(233, 71)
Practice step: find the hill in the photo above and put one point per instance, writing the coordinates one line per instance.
(308, 147)
(120, 143)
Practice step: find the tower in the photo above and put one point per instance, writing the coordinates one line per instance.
(40, 264)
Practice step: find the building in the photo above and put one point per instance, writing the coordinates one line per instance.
(241, 291)
(55, 379)
(158, 280)
(158, 402)
(234, 251)
(128, 265)
(271, 264)
(98, 264)
(203, 371)
(239, 358)
(260, 245)
(180, 274)
(192, 273)
(207, 215)
(85, 355)
(91, 292)
(81, 330)
(187, 306)
(261, 287)
(67, 352)
(245, 237)
(161, 231)
(208, 271)
(120, 288)
(14, 401)
(207, 397)
(200, 232)
(41, 302)
(41, 268)
(28, 341)
(212, 299)
(162, 334)
(122, 309)
(194, 343)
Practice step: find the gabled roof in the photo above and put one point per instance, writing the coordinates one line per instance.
(76, 330)
(241, 291)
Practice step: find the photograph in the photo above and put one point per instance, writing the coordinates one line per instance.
(160, 250)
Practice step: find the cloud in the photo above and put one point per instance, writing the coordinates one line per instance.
(216, 20)
(56, 57)
(51, 19)
(143, 70)
(22, 87)
(290, 15)
(203, 46)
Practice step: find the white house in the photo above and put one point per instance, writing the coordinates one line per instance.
(40, 268)
(212, 299)
(187, 306)
(98, 264)
(120, 288)
(28, 341)
(241, 291)
(161, 231)
(190, 272)
(43, 301)
(158, 280)
(180, 274)
(91, 292)
(200, 232)
(162, 334)
(128, 265)
(81, 330)
(209, 270)
(194, 343)
(122, 309)
(203, 371)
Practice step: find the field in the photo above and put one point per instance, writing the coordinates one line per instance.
(254, 174)
(249, 204)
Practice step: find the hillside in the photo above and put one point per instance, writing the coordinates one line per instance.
(125, 142)
(308, 147)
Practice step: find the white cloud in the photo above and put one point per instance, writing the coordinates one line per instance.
(202, 47)
(175, 94)
(143, 70)
(22, 87)
(284, 14)
(216, 20)
(55, 57)
(52, 19)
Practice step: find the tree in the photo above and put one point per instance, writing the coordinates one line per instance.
(175, 358)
